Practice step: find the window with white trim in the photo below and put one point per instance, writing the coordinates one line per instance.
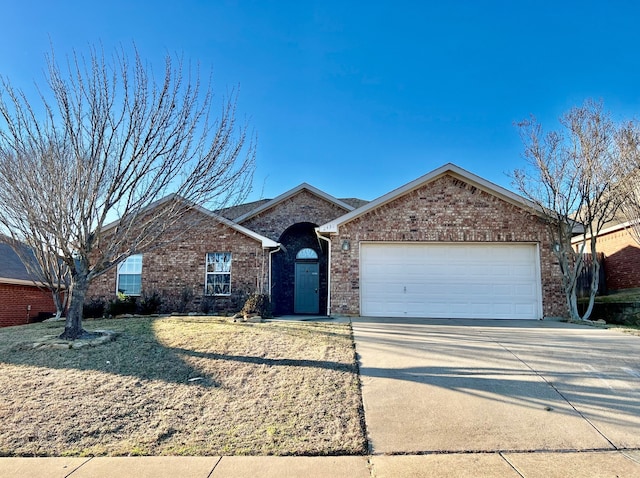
(130, 275)
(218, 274)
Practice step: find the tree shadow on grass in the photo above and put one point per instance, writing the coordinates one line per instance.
(138, 351)
(323, 364)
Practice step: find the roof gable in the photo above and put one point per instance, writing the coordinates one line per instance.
(447, 169)
(289, 194)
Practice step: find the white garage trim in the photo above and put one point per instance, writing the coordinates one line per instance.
(450, 280)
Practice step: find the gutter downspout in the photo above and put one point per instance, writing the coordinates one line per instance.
(328, 270)
(270, 268)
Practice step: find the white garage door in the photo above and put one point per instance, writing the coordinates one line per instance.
(492, 281)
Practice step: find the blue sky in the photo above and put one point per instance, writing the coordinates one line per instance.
(358, 98)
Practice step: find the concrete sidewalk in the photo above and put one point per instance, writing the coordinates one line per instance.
(454, 465)
(185, 467)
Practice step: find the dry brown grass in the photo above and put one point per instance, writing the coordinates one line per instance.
(284, 388)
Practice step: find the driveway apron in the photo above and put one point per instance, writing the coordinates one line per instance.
(447, 386)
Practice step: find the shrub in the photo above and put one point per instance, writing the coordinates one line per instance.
(259, 304)
(172, 303)
(236, 301)
(122, 305)
(149, 303)
(186, 296)
(94, 308)
(208, 305)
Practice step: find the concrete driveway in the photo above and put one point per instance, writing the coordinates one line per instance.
(518, 394)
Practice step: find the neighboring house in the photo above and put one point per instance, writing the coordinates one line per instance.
(621, 256)
(21, 301)
(447, 245)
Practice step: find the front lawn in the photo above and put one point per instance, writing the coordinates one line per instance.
(182, 386)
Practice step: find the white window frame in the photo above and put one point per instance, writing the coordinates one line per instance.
(131, 266)
(221, 263)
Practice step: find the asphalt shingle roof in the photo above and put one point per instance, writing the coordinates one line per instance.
(11, 267)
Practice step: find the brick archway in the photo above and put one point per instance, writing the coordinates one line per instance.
(299, 236)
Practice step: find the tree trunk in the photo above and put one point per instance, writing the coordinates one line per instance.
(595, 281)
(568, 284)
(73, 325)
(58, 310)
(59, 302)
(574, 314)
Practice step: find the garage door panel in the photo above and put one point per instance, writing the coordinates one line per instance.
(525, 290)
(480, 289)
(450, 280)
(435, 308)
(524, 309)
(502, 309)
(501, 289)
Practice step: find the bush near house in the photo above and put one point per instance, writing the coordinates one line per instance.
(258, 304)
(156, 302)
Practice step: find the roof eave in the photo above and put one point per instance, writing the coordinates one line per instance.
(10, 281)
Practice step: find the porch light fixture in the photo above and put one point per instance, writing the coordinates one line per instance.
(345, 245)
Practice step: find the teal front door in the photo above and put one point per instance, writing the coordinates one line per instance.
(306, 288)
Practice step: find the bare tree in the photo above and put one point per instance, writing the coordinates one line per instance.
(570, 175)
(108, 142)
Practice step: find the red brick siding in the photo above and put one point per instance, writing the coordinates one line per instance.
(303, 207)
(14, 302)
(445, 210)
(181, 264)
(622, 260)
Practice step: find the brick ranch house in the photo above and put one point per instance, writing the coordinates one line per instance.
(21, 301)
(446, 245)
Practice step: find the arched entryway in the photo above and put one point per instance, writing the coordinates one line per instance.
(299, 272)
